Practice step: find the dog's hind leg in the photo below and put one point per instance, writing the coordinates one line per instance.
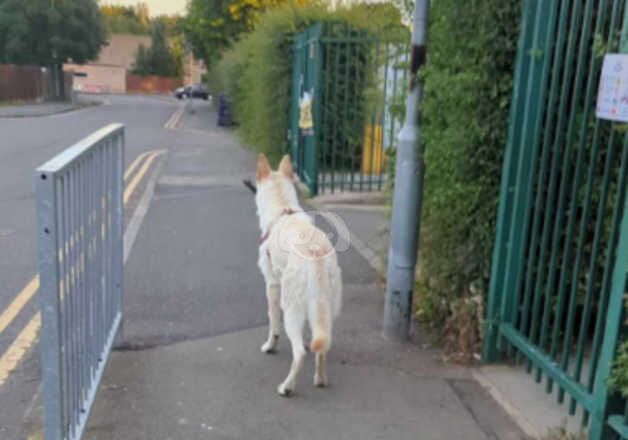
(274, 317)
(294, 319)
(320, 370)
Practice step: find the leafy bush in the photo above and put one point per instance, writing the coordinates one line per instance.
(619, 376)
(468, 84)
(256, 72)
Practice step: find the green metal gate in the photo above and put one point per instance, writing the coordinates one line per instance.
(305, 80)
(351, 82)
(560, 260)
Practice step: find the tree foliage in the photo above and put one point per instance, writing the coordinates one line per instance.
(42, 32)
(160, 58)
(212, 25)
(126, 19)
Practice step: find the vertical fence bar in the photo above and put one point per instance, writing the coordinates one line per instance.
(587, 206)
(599, 430)
(335, 131)
(382, 119)
(65, 299)
(534, 107)
(83, 290)
(593, 260)
(358, 99)
(560, 153)
(501, 249)
(71, 297)
(326, 78)
(118, 226)
(48, 254)
(346, 138)
(545, 153)
(571, 207)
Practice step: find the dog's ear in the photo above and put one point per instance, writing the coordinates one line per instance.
(285, 167)
(263, 168)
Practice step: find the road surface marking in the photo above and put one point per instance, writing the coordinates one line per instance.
(138, 177)
(171, 124)
(135, 163)
(135, 223)
(19, 347)
(18, 303)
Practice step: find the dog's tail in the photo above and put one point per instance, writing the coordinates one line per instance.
(322, 297)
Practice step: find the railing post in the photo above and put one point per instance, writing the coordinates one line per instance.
(118, 231)
(50, 343)
(408, 194)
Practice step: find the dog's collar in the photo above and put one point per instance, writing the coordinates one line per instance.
(264, 237)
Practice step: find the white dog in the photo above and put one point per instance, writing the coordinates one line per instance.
(298, 260)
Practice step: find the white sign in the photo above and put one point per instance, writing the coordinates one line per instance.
(612, 97)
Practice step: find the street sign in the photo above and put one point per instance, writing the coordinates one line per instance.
(612, 98)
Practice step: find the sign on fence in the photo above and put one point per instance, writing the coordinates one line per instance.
(612, 98)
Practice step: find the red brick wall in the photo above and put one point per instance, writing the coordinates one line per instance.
(151, 84)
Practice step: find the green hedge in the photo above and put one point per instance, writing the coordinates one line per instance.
(468, 84)
(256, 72)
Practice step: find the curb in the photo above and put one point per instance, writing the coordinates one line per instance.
(517, 416)
(70, 109)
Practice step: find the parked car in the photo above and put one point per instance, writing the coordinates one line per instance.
(181, 93)
(193, 91)
(199, 91)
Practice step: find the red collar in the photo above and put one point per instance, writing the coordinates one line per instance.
(264, 237)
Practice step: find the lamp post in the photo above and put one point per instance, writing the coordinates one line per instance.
(407, 196)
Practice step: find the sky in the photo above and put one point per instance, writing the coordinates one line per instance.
(156, 7)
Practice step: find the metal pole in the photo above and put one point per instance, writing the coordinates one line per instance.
(407, 197)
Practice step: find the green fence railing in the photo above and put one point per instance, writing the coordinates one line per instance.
(353, 85)
(560, 261)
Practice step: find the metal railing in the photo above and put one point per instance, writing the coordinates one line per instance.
(357, 83)
(80, 227)
(561, 250)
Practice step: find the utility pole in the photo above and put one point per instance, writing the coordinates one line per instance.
(407, 196)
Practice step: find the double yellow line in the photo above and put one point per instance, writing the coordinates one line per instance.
(25, 339)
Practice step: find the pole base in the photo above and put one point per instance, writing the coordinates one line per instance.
(398, 305)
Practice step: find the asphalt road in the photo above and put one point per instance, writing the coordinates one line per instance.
(26, 143)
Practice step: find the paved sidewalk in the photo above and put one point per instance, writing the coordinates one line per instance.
(27, 110)
(190, 366)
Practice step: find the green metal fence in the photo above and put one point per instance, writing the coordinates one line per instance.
(560, 261)
(353, 84)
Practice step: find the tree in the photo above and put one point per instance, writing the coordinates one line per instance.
(212, 25)
(124, 20)
(50, 33)
(159, 59)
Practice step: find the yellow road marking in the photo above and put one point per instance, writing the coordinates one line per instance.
(27, 336)
(138, 177)
(18, 303)
(19, 347)
(135, 163)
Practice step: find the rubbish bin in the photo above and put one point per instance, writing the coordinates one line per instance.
(224, 112)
